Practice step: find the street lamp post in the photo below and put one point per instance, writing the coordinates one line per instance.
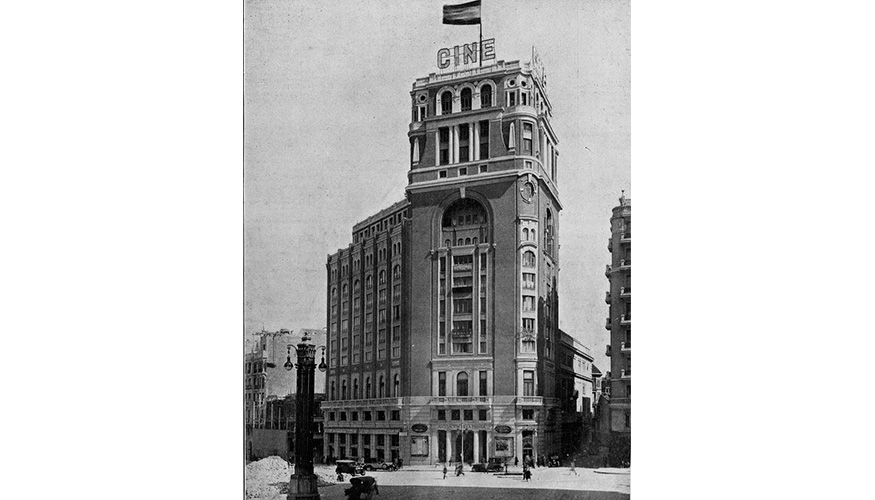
(302, 484)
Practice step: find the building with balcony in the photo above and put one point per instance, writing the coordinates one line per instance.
(619, 324)
(575, 392)
(443, 311)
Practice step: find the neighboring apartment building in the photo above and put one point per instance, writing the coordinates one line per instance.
(443, 311)
(269, 391)
(575, 390)
(619, 323)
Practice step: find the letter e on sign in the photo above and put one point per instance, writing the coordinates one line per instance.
(488, 49)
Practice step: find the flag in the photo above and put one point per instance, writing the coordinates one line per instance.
(463, 13)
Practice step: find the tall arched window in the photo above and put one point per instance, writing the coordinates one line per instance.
(446, 103)
(462, 384)
(396, 272)
(332, 390)
(466, 99)
(486, 96)
(529, 259)
(382, 277)
(525, 234)
(368, 388)
(355, 389)
(343, 390)
(396, 386)
(548, 233)
(382, 389)
(368, 282)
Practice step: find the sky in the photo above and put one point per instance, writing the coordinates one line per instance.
(327, 109)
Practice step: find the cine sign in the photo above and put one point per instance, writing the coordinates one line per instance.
(465, 54)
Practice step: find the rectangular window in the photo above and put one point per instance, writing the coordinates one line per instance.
(529, 281)
(442, 414)
(331, 416)
(511, 98)
(444, 145)
(527, 138)
(381, 439)
(454, 415)
(442, 337)
(464, 143)
(528, 414)
(524, 98)
(483, 169)
(343, 416)
(354, 416)
(442, 383)
(484, 139)
(528, 383)
(482, 414)
(381, 415)
(366, 416)
(529, 324)
(396, 414)
(442, 174)
(483, 385)
(463, 170)
(395, 440)
(469, 414)
(528, 303)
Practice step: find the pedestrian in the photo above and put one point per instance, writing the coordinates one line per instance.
(445, 471)
(526, 471)
(572, 468)
(516, 461)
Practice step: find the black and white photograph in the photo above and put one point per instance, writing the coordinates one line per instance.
(437, 249)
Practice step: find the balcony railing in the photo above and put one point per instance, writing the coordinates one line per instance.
(607, 323)
(626, 373)
(360, 403)
(462, 400)
(625, 263)
(626, 346)
(608, 350)
(462, 267)
(529, 400)
(459, 333)
(626, 292)
(626, 237)
(626, 319)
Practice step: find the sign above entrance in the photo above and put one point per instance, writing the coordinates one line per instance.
(419, 427)
(461, 55)
(502, 429)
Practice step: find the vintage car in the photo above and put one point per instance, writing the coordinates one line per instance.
(349, 467)
(377, 465)
(494, 465)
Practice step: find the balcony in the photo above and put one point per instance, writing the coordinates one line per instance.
(462, 400)
(360, 403)
(459, 333)
(608, 350)
(607, 323)
(607, 297)
(530, 400)
(625, 264)
(462, 267)
(626, 319)
(608, 271)
(626, 292)
(626, 373)
(626, 237)
(626, 347)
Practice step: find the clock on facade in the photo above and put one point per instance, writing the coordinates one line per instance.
(527, 191)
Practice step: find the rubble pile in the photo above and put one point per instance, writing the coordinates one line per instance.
(269, 477)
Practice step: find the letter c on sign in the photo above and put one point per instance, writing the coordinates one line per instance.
(443, 58)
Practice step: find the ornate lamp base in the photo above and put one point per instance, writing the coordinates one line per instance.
(303, 487)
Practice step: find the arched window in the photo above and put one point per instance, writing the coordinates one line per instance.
(461, 242)
(466, 99)
(462, 384)
(525, 234)
(368, 388)
(332, 390)
(446, 103)
(382, 387)
(548, 233)
(474, 240)
(382, 277)
(396, 272)
(345, 290)
(396, 386)
(486, 96)
(447, 243)
(343, 390)
(529, 259)
(368, 282)
(467, 241)
(355, 389)
(356, 286)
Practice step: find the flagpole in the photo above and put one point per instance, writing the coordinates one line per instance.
(481, 39)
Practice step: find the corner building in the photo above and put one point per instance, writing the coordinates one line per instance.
(443, 312)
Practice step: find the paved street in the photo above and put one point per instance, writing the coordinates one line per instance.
(546, 483)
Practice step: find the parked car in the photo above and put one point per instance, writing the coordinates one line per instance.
(494, 465)
(349, 467)
(377, 465)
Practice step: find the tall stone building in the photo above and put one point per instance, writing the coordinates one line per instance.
(443, 311)
(619, 324)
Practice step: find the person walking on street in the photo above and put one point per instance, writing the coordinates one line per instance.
(516, 461)
(572, 468)
(445, 471)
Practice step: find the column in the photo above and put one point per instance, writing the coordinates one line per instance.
(489, 446)
(518, 444)
(455, 144)
(476, 446)
(433, 445)
(535, 444)
(475, 142)
(325, 445)
(387, 449)
(449, 454)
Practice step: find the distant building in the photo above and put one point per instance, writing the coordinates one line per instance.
(269, 392)
(574, 390)
(619, 324)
